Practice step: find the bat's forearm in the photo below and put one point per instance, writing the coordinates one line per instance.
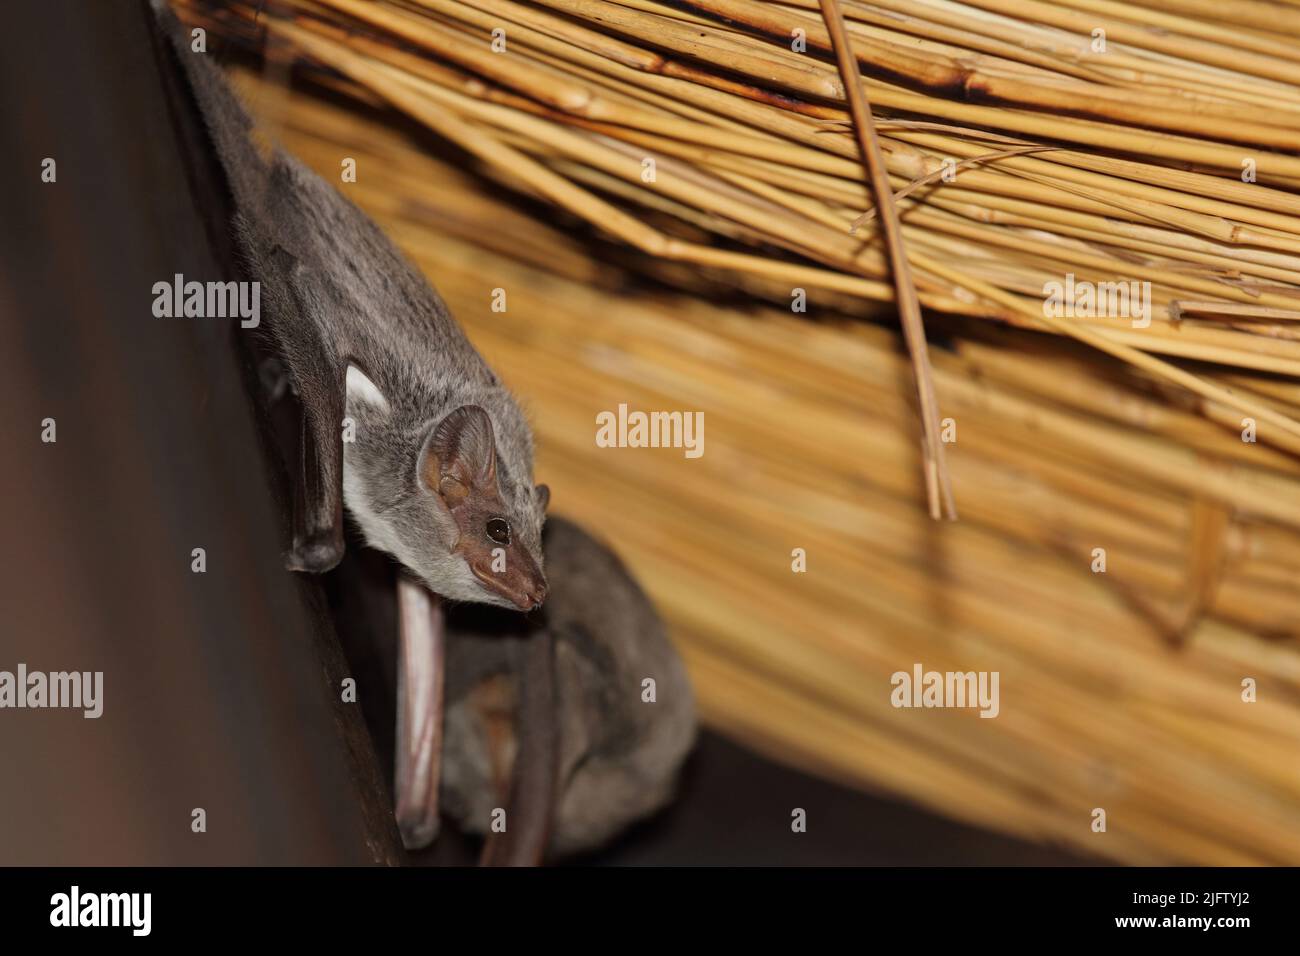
(420, 682)
(532, 786)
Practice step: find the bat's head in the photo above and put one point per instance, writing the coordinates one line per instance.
(495, 529)
(469, 519)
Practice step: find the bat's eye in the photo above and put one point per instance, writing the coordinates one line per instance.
(498, 529)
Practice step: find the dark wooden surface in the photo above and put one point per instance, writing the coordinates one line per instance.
(221, 688)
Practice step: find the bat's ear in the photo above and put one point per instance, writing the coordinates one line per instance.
(362, 389)
(543, 493)
(460, 456)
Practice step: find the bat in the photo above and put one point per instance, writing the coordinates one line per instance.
(618, 753)
(440, 472)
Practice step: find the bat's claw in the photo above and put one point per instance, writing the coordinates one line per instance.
(316, 554)
(418, 833)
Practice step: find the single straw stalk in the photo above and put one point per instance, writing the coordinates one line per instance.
(938, 481)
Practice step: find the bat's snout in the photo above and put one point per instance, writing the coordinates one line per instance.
(530, 598)
(525, 589)
(527, 598)
(537, 597)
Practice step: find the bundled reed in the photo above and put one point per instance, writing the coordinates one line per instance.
(1110, 165)
(1121, 690)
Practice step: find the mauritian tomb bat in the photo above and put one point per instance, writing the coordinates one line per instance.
(439, 476)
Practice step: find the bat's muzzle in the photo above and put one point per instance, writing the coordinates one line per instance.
(524, 588)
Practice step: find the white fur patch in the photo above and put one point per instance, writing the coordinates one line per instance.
(378, 533)
(361, 389)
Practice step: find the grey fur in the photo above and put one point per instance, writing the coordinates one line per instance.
(338, 293)
(619, 756)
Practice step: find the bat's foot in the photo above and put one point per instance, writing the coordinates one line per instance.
(316, 554)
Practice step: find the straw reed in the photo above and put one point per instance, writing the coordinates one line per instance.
(1121, 690)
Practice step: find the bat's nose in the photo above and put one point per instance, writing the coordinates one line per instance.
(532, 587)
(526, 591)
(531, 597)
